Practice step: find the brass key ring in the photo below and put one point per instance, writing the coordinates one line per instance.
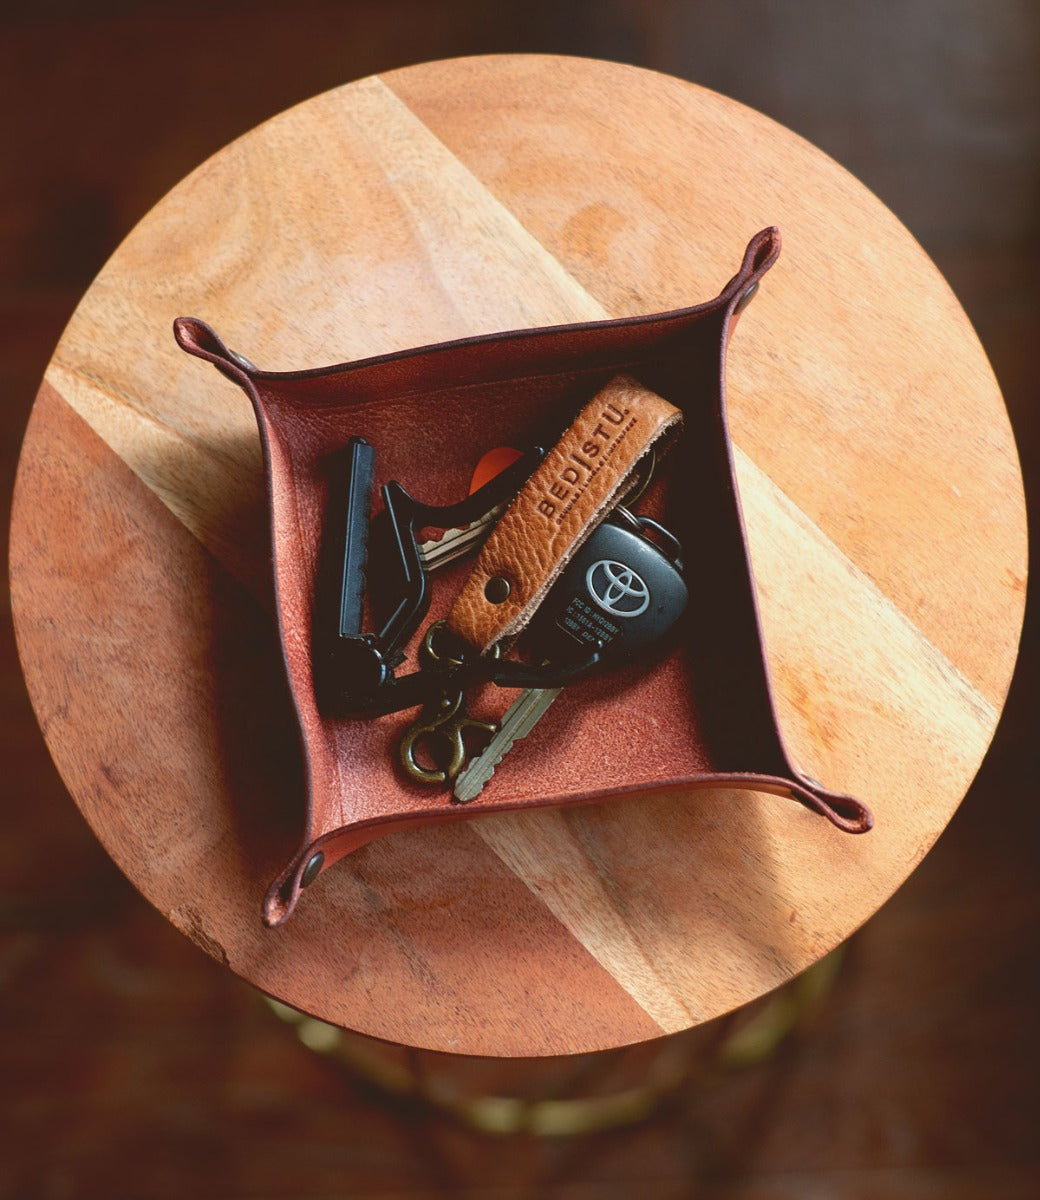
(444, 719)
(432, 658)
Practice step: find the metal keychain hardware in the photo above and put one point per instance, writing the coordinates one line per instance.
(622, 595)
(354, 669)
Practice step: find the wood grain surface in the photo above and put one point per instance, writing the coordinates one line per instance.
(879, 483)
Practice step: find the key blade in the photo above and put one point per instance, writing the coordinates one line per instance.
(520, 718)
(454, 543)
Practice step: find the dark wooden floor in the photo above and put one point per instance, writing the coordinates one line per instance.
(133, 1066)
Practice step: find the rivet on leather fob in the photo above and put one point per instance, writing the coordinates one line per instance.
(621, 590)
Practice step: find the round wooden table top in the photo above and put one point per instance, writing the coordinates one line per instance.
(880, 488)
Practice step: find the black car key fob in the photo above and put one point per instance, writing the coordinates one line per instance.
(622, 592)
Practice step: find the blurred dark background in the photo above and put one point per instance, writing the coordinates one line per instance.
(132, 1065)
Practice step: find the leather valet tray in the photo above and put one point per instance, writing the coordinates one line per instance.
(701, 716)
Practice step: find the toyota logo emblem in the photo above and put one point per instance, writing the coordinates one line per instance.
(617, 589)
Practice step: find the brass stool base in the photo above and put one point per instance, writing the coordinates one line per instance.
(621, 1087)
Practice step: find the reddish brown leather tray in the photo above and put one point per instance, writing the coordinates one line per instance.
(703, 716)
